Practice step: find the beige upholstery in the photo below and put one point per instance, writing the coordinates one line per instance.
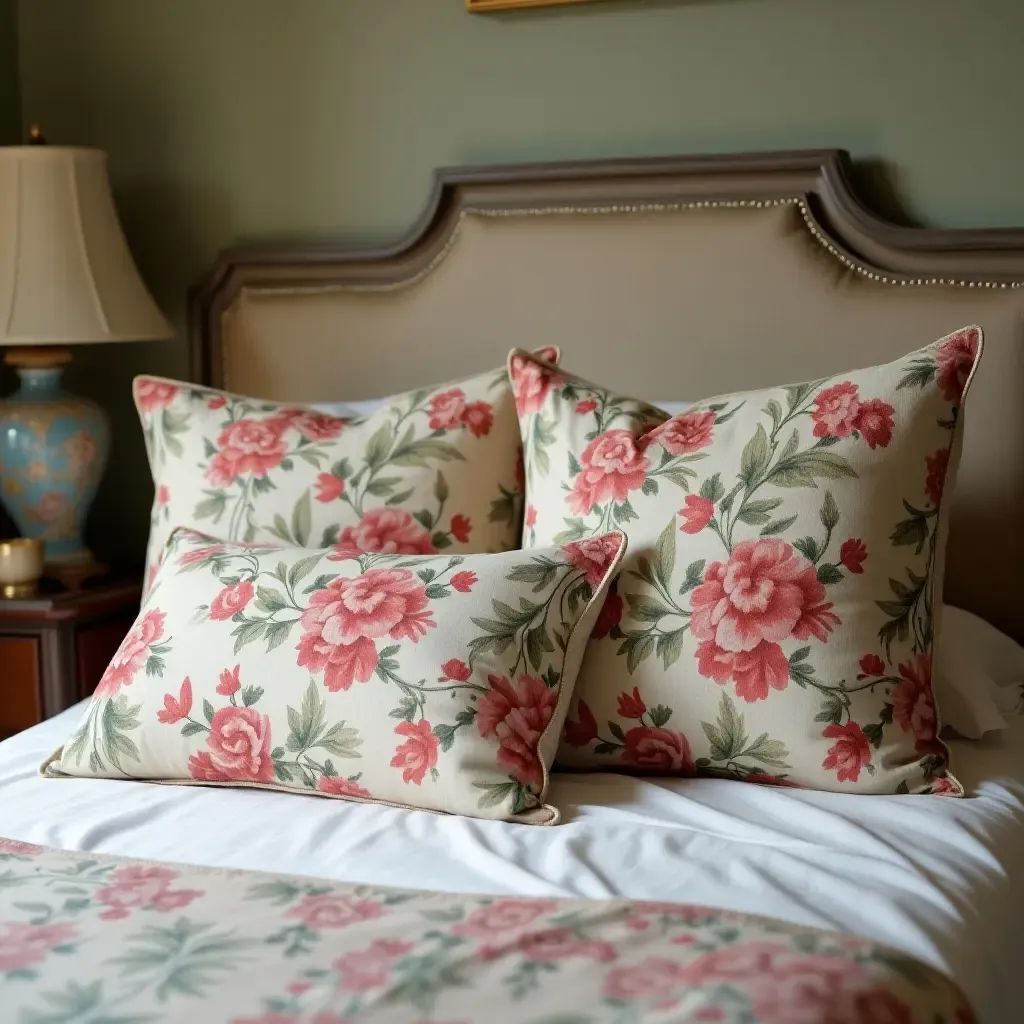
(676, 304)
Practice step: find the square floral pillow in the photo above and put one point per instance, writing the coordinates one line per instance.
(775, 617)
(430, 470)
(432, 681)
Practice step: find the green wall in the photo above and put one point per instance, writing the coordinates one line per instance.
(228, 120)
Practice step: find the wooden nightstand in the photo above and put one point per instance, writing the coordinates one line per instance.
(55, 647)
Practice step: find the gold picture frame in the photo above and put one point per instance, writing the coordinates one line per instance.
(481, 6)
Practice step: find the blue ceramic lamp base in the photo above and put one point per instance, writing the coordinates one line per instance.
(53, 450)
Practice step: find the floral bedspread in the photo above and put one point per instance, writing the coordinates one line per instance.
(93, 939)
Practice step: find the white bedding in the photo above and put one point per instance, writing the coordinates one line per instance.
(941, 879)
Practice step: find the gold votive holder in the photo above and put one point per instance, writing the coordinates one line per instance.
(21, 566)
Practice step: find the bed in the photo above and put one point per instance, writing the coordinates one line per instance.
(737, 271)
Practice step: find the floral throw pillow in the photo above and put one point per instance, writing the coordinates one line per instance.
(774, 619)
(431, 681)
(430, 470)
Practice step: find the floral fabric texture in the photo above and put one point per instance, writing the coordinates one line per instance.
(100, 938)
(431, 470)
(774, 618)
(433, 681)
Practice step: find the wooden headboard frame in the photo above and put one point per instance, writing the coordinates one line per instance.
(822, 178)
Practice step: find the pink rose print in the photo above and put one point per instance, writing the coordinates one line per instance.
(631, 705)
(697, 511)
(580, 733)
(248, 446)
(875, 423)
(385, 531)
(163, 495)
(15, 848)
(655, 978)
(464, 581)
(335, 785)
(658, 750)
(446, 409)
(154, 394)
(585, 407)
(561, 944)
(881, 1007)
(955, 360)
(461, 528)
(455, 670)
(345, 617)
(851, 752)
(612, 467)
(871, 665)
(418, 754)
(764, 594)
(913, 704)
(479, 418)
(133, 653)
(945, 786)
(531, 383)
(593, 555)
(683, 434)
(935, 481)
(230, 681)
(217, 402)
(531, 517)
(501, 918)
(316, 426)
(230, 600)
(836, 409)
(517, 716)
(610, 615)
(853, 554)
(331, 910)
(176, 709)
(138, 887)
(370, 968)
(239, 743)
(201, 554)
(329, 487)
(23, 946)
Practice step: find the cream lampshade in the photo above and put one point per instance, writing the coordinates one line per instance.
(66, 278)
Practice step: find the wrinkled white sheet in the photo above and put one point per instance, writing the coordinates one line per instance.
(941, 879)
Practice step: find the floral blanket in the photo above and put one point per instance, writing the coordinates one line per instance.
(93, 939)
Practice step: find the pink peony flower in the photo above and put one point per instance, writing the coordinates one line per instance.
(851, 752)
(688, 432)
(239, 743)
(316, 426)
(464, 581)
(935, 481)
(655, 978)
(531, 517)
(163, 495)
(230, 600)
(501, 918)
(201, 554)
(385, 531)
(230, 681)
(24, 946)
(337, 786)
(836, 410)
(345, 617)
(755, 672)
(517, 716)
(531, 383)
(142, 887)
(561, 944)
(461, 528)
(955, 360)
(18, 849)
(594, 555)
(631, 705)
(335, 910)
(588, 405)
(217, 402)
(133, 653)
(612, 467)
(456, 670)
(329, 487)
(580, 733)
(247, 447)
(697, 511)
(175, 710)
(872, 665)
(418, 754)
(370, 968)
(153, 394)
(853, 554)
(913, 703)
(479, 418)
(875, 423)
(446, 409)
(610, 615)
(658, 750)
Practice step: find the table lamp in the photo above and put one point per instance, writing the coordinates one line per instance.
(66, 278)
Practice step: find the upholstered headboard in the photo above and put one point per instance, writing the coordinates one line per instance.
(673, 278)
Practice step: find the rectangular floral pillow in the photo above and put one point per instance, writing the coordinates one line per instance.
(440, 682)
(438, 468)
(775, 616)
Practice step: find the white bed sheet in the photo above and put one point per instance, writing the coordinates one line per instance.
(941, 879)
